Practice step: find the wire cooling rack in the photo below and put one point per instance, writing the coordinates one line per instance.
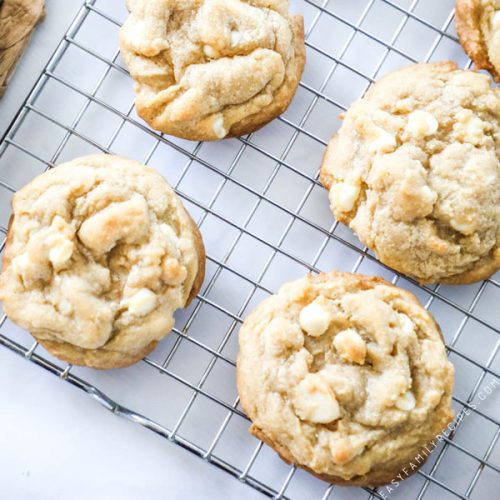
(265, 220)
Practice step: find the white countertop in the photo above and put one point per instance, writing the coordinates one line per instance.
(55, 442)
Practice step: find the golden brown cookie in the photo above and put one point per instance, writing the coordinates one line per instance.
(100, 253)
(346, 376)
(414, 171)
(211, 69)
(478, 28)
(18, 19)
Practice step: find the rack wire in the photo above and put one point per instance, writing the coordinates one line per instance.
(265, 220)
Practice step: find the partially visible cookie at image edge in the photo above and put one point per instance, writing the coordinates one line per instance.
(211, 69)
(414, 171)
(345, 376)
(100, 253)
(478, 28)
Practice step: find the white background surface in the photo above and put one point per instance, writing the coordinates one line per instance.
(55, 442)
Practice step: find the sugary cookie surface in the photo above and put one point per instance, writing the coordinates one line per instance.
(100, 254)
(345, 375)
(414, 171)
(209, 69)
(478, 27)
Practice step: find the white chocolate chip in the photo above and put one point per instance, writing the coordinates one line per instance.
(404, 105)
(383, 142)
(58, 242)
(61, 252)
(218, 127)
(350, 346)
(407, 325)
(421, 124)
(20, 263)
(315, 402)
(406, 402)
(342, 450)
(65, 307)
(316, 317)
(236, 38)
(495, 20)
(169, 232)
(348, 196)
(344, 195)
(210, 52)
(428, 195)
(142, 302)
(464, 115)
(172, 240)
(469, 128)
(172, 272)
(475, 131)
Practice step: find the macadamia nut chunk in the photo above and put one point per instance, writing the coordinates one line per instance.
(414, 170)
(210, 69)
(99, 255)
(314, 401)
(350, 346)
(344, 375)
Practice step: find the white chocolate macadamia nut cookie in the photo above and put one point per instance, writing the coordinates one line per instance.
(346, 376)
(210, 69)
(478, 28)
(414, 170)
(100, 253)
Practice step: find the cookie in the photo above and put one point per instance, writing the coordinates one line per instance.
(210, 69)
(18, 19)
(414, 171)
(346, 376)
(478, 28)
(100, 253)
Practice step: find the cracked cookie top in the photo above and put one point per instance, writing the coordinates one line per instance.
(100, 254)
(478, 27)
(345, 375)
(414, 171)
(209, 69)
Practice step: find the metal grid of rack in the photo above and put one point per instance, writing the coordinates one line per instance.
(265, 220)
